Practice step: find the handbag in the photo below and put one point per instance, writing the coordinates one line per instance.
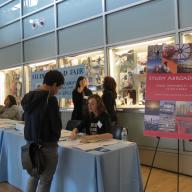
(32, 157)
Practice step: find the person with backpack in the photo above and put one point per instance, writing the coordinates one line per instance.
(43, 126)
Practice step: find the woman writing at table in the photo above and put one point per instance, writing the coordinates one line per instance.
(98, 123)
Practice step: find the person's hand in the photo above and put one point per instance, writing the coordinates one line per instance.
(74, 134)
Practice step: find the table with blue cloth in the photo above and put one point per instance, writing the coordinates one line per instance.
(116, 170)
(1, 138)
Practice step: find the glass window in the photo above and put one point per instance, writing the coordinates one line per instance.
(39, 23)
(70, 11)
(81, 37)
(34, 68)
(185, 13)
(111, 4)
(128, 67)
(141, 21)
(32, 5)
(39, 48)
(7, 35)
(10, 56)
(2, 1)
(94, 63)
(187, 37)
(11, 83)
(10, 12)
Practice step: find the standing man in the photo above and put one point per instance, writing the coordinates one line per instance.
(41, 112)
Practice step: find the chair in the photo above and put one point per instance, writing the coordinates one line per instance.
(72, 124)
(116, 131)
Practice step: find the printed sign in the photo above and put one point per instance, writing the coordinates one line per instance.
(70, 74)
(168, 108)
(37, 79)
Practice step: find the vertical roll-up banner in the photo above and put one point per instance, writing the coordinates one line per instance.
(70, 74)
(168, 107)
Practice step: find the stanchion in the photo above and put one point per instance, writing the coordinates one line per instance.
(151, 167)
(178, 166)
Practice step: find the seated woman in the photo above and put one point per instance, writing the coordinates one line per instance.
(10, 110)
(97, 124)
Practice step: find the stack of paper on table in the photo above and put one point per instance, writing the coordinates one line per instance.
(87, 146)
(8, 123)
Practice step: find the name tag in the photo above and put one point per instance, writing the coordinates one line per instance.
(99, 124)
(85, 97)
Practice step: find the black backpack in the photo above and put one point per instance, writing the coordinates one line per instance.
(32, 157)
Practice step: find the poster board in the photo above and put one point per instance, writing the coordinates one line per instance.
(70, 74)
(168, 108)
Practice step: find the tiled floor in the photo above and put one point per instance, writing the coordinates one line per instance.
(160, 181)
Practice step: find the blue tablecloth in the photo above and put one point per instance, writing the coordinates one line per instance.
(115, 171)
(1, 138)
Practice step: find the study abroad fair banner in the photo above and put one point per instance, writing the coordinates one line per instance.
(70, 74)
(168, 108)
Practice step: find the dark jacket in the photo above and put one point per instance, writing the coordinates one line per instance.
(41, 115)
(80, 104)
(96, 125)
(109, 98)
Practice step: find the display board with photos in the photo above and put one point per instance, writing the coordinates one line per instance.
(128, 67)
(132, 78)
(13, 83)
(94, 65)
(168, 108)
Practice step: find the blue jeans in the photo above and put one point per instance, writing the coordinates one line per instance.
(43, 182)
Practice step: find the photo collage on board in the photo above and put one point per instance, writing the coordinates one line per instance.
(171, 116)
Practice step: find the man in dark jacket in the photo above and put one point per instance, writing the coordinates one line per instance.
(43, 123)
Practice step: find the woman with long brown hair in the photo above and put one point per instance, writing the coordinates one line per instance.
(80, 95)
(109, 96)
(97, 122)
(10, 110)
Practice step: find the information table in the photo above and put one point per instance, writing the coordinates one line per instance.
(117, 170)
